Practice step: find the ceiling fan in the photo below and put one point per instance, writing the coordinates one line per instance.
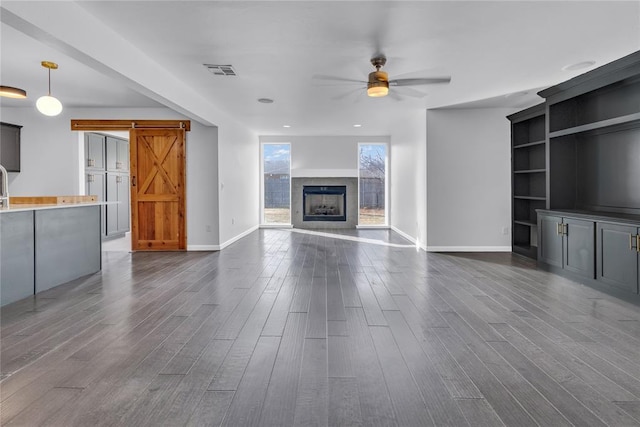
(378, 82)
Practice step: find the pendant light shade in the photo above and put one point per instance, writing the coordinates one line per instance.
(48, 105)
(12, 92)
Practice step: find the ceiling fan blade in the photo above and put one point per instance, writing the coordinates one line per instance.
(346, 94)
(407, 91)
(394, 96)
(335, 79)
(416, 82)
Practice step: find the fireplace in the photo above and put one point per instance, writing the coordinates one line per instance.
(324, 203)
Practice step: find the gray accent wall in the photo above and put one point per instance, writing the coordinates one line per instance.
(468, 180)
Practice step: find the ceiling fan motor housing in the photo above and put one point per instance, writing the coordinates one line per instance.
(378, 79)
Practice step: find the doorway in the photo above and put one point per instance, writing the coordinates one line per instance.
(157, 190)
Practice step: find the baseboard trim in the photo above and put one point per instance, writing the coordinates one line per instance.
(203, 248)
(372, 227)
(283, 226)
(468, 248)
(408, 237)
(239, 236)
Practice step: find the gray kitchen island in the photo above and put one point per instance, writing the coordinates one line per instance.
(43, 246)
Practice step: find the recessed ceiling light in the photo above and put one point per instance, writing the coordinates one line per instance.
(578, 65)
(357, 126)
(265, 100)
(286, 126)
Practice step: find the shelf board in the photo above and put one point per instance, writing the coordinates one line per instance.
(530, 171)
(529, 144)
(524, 222)
(616, 121)
(529, 198)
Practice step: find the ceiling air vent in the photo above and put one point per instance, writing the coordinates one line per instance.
(221, 70)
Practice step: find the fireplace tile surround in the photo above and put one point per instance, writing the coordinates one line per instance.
(297, 184)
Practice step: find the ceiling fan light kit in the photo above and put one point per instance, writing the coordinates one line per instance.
(378, 84)
(12, 92)
(48, 105)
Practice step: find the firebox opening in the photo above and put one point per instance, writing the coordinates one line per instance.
(324, 203)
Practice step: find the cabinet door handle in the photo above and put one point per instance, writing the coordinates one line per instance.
(631, 237)
(638, 243)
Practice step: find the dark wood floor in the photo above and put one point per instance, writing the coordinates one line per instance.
(285, 328)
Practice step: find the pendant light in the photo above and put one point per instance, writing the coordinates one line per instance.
(12, 92)
(48, 105)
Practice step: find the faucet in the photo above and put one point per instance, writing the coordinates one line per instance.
(4, 195)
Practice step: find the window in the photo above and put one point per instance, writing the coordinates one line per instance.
(276, 184)
(372, 184)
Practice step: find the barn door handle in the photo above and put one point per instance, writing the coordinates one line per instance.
(133, 181)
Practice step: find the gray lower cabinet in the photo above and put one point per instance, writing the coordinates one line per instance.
(117, 213)
(567, 243)
(579, 246)
(550, 240)
(618, 256)
(17, 279)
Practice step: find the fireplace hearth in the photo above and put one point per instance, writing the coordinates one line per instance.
(324, 203)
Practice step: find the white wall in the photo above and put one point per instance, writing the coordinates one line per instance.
(50, 161)
(408, 181)
(468, 180)
(239, 183)
(324, 156)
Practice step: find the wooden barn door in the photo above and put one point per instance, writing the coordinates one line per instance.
(158, 189)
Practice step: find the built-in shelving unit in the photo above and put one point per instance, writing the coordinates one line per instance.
(528, 179)
(590, 229)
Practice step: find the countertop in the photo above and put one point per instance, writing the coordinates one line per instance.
(39, 206)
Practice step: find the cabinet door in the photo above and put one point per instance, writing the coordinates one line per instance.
(112, 208)
(94, 151)
(579, 246)
(111, 146)
(117, 154)
(617, 258)
(123, 155)
(95, 186)
(124, 205)
(10, 147)
(550, 240)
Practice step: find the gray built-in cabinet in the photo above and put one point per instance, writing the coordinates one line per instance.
(10, 146)
(586, 176)
(528, 177)
(567, 243)
(107, 176)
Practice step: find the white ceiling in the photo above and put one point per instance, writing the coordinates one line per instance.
(490, 49)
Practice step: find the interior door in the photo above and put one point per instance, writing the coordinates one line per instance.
(158, 189)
